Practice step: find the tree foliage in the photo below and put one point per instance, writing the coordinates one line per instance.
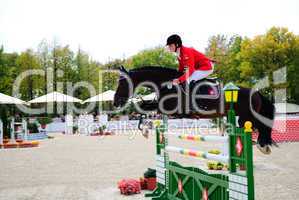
(238, 59)
(152, 57)
(245, 60)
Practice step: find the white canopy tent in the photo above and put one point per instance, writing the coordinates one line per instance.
(55, 97)
(58, 97)
(5, 99)
(105, 96)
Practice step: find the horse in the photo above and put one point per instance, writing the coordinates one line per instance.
(175, 99)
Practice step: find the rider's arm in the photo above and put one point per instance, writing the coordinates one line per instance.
(191, 68)
(181, 66)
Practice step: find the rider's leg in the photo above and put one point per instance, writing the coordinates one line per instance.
(199, 74)
(196, 76)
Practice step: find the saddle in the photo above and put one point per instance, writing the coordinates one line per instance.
(209, 79)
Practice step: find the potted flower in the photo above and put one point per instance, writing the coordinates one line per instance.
(19, 140)
(102, 129)
(44, 121)
(33, 128)
(5, 140)
(75, 129)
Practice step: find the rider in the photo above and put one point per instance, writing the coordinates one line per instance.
(197, 64)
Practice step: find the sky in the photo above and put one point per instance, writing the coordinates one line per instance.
(109, 29)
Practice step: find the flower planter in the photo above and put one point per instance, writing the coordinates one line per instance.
(19, 140)
(102, 133)
(20, 145)
(151, 183)
(10, 145)
(25, 144)
(35, 143)
(5, 141)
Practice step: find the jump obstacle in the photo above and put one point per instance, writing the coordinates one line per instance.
(18, 129)
(176, 182)
(19, 136)
(21, 132)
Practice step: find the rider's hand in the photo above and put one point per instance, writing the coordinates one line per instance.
(175, 82)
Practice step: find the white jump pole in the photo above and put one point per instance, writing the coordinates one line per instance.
(24, 126)
(206, 138)
(69, 123)
(197, 154)
(12, 130)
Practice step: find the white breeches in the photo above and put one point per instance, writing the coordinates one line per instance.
(199, 74)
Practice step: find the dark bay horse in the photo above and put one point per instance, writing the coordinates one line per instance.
(250, 105)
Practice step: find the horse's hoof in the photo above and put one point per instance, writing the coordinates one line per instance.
(265, 149)
(145, 134)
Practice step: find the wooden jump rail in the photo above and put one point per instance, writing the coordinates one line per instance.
(196, 153)
(204, 138)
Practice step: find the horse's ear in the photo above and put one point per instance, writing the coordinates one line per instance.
(123, 69)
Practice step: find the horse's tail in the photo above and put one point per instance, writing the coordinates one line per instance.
(265, 130)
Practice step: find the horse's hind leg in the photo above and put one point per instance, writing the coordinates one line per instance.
(264, 135)
(265, 109)
(264, 140)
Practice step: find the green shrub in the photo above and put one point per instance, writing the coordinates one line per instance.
(44, 120)
(32, 127)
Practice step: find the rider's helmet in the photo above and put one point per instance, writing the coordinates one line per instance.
(174, 39)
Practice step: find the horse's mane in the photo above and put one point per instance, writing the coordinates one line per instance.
(154, 68)
(154, 73)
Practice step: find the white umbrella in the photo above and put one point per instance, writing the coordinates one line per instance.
(55, 97)
(148, 97)
(5, 99)
(105, 96)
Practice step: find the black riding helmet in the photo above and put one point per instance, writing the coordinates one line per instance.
(174, 39)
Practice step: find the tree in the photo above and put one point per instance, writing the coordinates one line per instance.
(153, 57)
(225, 52)
(65, 63)
(110, 78)
(7, 70)
(293, 78)
(32, 84)
(44, 56)
(86, 70)
(265, 54)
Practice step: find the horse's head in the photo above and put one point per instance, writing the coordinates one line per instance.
(124, 88)
(134, 78)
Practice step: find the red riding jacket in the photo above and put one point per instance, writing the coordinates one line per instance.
(193, 60)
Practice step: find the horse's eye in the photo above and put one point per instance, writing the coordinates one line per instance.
(121, 78)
